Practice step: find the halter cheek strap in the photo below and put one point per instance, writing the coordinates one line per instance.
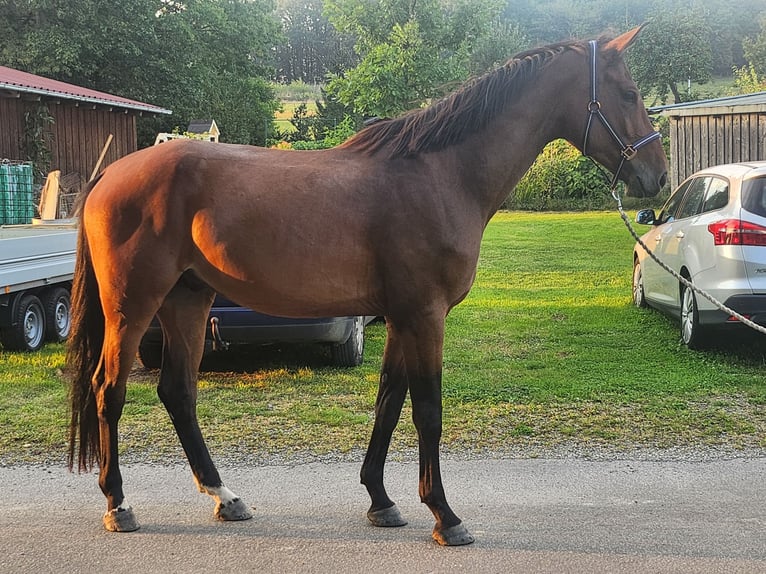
(627, 151)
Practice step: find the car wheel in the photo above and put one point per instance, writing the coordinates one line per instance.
(692, 333)
(27, 332)
(150, 355)
(58, 317)
(639, 298)
(351, 352)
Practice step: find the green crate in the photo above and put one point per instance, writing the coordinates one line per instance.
(16, 190)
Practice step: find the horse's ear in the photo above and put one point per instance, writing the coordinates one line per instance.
(621, 43)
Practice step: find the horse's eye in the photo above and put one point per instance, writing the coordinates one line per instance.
(630, 97)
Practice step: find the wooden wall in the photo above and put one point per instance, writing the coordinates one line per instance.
(79, 132)
(699, 141)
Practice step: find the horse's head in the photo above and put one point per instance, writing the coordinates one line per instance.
(618, 133)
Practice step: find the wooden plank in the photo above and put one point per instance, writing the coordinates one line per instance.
(49, 201)
(736, 138)
(695, 148)
(761, 151)
(101, 157)
(744, 134)
(720, 140)
(704, 142)
(673, 149)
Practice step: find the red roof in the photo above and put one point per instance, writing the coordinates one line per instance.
(18, 81)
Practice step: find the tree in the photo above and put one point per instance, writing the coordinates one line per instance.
(748, 81)
(674, 48)
(410, 50)
(500, 42)
(313, 47)
(200, 58)
(755, 50)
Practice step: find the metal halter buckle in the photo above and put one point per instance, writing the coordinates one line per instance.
(628, 152)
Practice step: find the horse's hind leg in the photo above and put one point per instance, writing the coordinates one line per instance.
(109, 388)
(183, 317)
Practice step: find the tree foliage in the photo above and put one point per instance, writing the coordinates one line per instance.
(755, 50)
(748, 81)
(200, 58)
(313, 47)
(410, 51)
(673, 49)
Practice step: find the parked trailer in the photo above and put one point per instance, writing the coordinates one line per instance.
(36, 271)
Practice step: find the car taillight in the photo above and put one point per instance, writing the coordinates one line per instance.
(737, 232)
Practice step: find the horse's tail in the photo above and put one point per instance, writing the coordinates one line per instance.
(84, 351)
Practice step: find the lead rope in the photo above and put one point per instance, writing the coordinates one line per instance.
(683, 280)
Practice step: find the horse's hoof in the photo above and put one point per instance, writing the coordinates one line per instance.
(457, 535)
(234, 510)
(121, 520)
(386, 517)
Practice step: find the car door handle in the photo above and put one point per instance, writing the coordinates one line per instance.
(680, 235)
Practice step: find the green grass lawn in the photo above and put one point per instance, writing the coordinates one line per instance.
(547, 351)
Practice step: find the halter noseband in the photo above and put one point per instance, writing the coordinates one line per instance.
(627, 151)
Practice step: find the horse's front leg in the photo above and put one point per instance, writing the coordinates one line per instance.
(392, 390)
(183, 316)
(423, 360)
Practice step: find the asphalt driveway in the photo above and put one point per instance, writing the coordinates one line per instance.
(528, 515)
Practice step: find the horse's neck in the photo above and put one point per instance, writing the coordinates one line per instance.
(500, 155)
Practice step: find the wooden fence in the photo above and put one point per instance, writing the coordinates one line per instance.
(702, 140)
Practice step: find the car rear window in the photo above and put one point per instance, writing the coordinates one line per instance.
(717, 195)
(754, 196)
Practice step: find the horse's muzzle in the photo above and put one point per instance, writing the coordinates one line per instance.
(643, 181)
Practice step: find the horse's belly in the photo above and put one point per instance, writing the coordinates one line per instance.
(292, 284)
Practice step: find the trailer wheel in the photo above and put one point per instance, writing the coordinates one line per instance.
(27, 330)
(58, 315)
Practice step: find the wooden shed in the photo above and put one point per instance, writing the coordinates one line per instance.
(82, 120)
(710, 132)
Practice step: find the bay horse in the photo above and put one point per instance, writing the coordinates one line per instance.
(388, 223)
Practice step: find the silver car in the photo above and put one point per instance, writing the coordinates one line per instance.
(712, 231)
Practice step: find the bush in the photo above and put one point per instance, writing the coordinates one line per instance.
(561, 179)
(333, 137)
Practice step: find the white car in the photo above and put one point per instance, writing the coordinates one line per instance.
(712, 231)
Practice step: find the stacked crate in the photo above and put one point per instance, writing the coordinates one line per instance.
(16, 183)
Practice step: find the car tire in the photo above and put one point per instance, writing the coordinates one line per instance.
(692, 333)
(27, 332)
(351, 352)
(639, 296)
(150, 355)
(58, 314)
